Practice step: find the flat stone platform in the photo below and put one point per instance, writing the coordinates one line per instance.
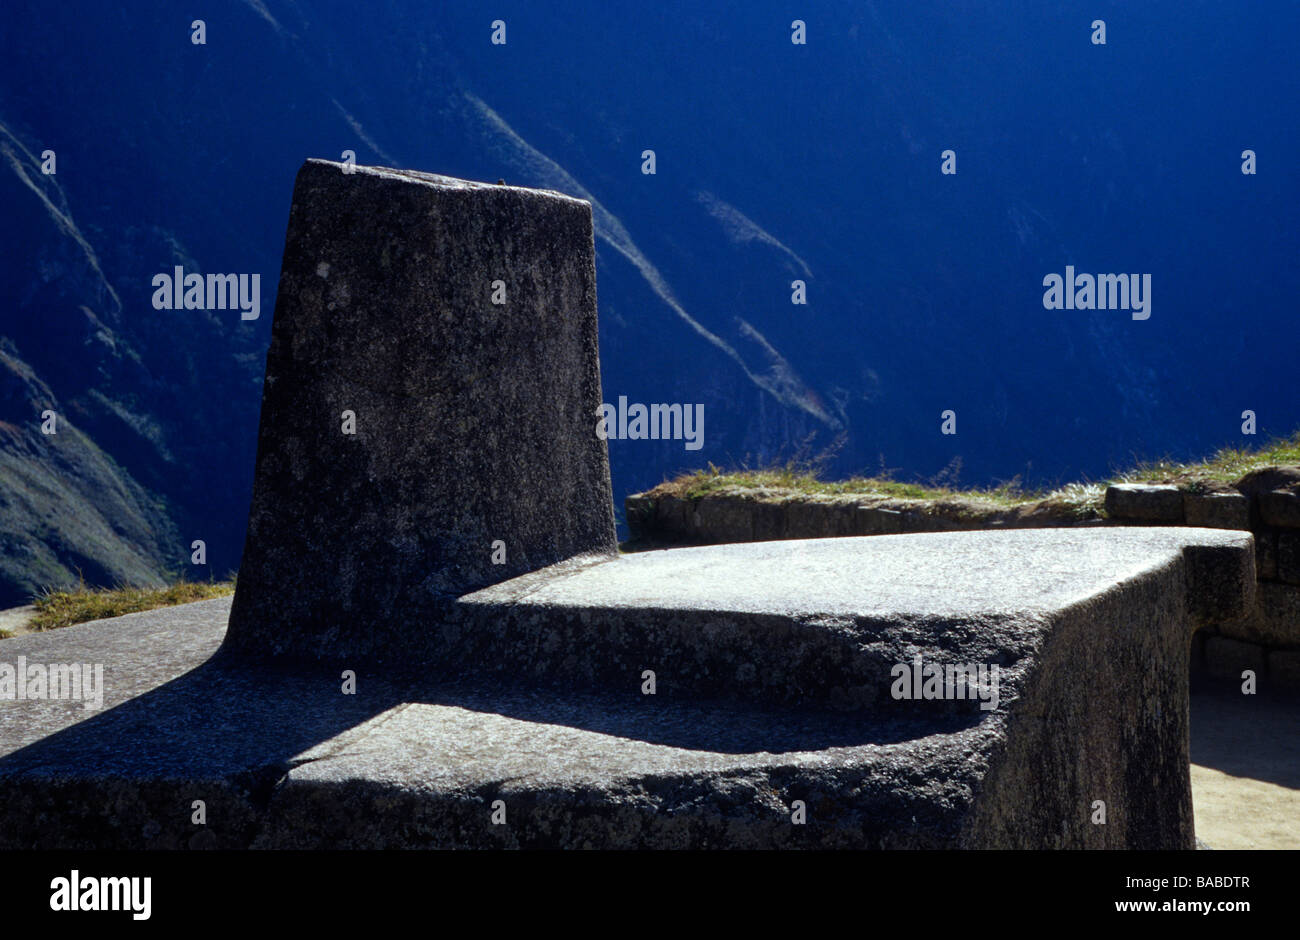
(822, 621)
(769, 708)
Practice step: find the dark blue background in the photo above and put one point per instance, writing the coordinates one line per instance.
(925, 290)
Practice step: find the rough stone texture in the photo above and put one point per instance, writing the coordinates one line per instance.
(1280, 508)
(828, 518)
(1220, 577)
(1273, 620)
(474, 422)
(730, 519)
(1217, 510)
(877, 520)
(818, 620)
(1226, 658)
(769, 521)
(1266, 555)
(761, 514)
(1288, 557)
(639, 511)
(1267, 479)
(675, 512)
(788, 514)
(1091, 627)
(1144, 502)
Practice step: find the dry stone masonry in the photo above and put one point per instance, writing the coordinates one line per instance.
(434, 644)
(1266, 638)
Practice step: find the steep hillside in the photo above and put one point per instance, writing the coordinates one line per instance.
(67, 509)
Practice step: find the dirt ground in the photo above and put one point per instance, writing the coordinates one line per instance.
(15, 619)
(1245, 767)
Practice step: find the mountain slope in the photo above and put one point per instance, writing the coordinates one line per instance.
(775, 163)
(67, 510)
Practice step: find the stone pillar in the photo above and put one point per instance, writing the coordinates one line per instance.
(429, 412)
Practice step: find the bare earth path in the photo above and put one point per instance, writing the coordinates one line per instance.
(1245, 768)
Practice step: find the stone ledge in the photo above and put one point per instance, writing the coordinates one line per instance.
(284, 760)
(1280, 508)
(1273, 620)
(821, 621)
(1266, 555)
(661, 516)
(1145, 502)
(759, 515)
(1288, 557)
(1217, 510)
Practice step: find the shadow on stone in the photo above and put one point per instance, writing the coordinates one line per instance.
(1255, 736)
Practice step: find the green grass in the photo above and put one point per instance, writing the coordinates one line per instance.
(807, 480)
(63, 608)
(1226, 466)
(1082, 498)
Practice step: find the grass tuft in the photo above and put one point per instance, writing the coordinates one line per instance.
(63, 608)
(1226, 466)
(1084, 498)
(805, 480)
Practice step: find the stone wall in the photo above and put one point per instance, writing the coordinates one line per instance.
(1264, 502)
(1267, 639)
(759, 514)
